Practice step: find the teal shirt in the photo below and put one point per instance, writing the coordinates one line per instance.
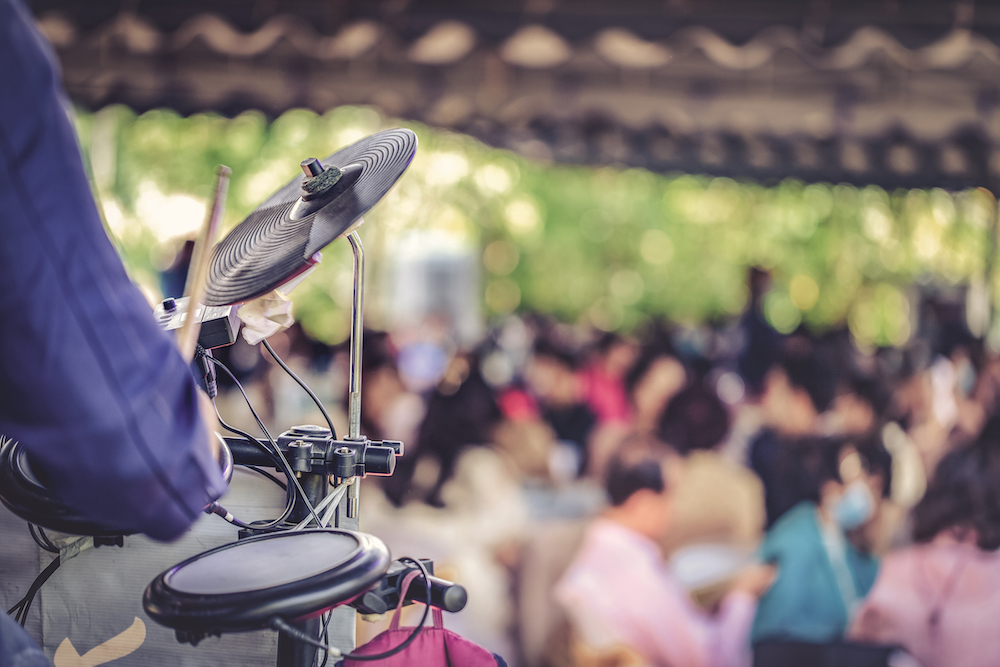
(804, 603)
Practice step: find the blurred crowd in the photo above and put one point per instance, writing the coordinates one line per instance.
(710, 495)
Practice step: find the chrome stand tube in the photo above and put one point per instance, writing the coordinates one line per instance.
(357, 331)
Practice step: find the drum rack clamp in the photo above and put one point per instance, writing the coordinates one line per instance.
(316, 456)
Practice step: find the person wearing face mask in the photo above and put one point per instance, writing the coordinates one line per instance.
(822, 577)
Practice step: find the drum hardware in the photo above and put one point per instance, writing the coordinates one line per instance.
(276, 243)
(354, 402)
(305, 639)
(282, 237)
(219, 324)
(315, 456)
(384, 597)
(237, 587)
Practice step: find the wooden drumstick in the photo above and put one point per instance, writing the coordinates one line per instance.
(201, 257)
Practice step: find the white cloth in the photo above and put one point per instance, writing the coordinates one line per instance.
(265, 316)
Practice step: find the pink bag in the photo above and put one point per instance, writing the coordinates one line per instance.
(433, 647)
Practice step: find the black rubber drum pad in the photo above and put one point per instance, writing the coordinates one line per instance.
(292, 574)
(278, 240)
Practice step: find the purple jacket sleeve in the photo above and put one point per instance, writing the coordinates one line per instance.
(89, 384)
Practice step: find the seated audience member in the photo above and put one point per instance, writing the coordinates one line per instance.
(551, 377)
(938, 599)
(858, 407)
(461, 413)
(694, 424)
(650, 384)
(866, 458)
(618, 592)
(821, 576)
(796, 392)
(603, 378)
(391, 410)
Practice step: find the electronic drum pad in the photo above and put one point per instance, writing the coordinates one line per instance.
(279, 240)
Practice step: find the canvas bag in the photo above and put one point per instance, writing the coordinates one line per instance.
(433, 647)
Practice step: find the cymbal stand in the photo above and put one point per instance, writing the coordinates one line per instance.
(357, 333)
(293, 653)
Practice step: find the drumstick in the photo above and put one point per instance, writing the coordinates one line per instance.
(197, 278)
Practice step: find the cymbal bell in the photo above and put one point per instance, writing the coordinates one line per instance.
(280, 239)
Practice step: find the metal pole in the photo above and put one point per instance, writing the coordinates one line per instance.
(357, 331)
(292, 652)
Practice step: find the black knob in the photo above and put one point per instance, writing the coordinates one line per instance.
(311, 167)
(347, 462)
(300, 453)
(379, 460)
(374, 603)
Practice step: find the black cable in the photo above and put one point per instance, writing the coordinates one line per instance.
(46, 544)
(289, 491)
(326, 636)
(261, 471)
(45, 538)
(313, 396)
(25, 602)
(285, 466)
(218, 510)
(246, 436)
(279, 624)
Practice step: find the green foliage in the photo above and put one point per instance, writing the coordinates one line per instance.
(608, 245)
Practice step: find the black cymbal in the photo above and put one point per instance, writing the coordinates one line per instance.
(278, 240)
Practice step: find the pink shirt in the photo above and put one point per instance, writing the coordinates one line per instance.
(940, 601)
(618, 591)
(605, 395)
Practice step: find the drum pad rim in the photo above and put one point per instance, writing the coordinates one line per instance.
(249, 610)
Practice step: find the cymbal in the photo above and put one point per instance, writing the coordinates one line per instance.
(280, 239)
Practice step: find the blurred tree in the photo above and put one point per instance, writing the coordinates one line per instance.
(610, 246)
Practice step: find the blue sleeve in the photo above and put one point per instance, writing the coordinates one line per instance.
(17, 648)
(864, 568)
(89, 384)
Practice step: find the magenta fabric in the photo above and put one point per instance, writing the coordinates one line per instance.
(433, 647)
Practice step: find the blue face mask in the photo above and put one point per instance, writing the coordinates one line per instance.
(854, 507)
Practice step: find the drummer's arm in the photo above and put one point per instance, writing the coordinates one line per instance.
(89, 384)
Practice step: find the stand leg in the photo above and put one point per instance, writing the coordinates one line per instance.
(292, 653)
(315, 487)
(345, 618)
